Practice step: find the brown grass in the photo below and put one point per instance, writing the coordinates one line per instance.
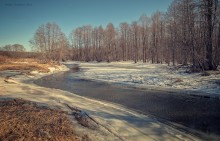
(3, 59)
(20, 66)
(25, 64)
(22, 120)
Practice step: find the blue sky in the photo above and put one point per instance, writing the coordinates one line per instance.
(19, 19)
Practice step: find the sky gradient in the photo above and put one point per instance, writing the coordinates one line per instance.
(19, 19)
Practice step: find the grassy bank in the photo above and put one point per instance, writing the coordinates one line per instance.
(25, 64)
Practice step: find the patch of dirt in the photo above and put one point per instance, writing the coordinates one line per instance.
(178, 80)
(23, 120)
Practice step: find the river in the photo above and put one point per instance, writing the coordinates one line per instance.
(196, 115)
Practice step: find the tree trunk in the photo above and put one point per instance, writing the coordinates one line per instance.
(209, 49)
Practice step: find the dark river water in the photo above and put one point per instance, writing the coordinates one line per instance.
(195, 115)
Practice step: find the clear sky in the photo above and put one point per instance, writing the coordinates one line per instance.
(19, 19)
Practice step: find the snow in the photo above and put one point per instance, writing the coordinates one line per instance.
(119, 120)
(127, 124)
(151, 76)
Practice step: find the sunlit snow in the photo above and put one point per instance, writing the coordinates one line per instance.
(155, 76)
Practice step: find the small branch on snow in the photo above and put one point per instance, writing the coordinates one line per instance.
(82, 118)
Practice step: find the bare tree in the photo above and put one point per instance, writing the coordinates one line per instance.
(124, 29)
(110, 38)
(145, 23)
(135, 34)
(210, 10)
(188, 33)
(48, 39)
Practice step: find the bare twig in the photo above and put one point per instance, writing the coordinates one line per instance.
(80, 111)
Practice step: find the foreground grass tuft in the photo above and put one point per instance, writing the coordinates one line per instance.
(23, 120)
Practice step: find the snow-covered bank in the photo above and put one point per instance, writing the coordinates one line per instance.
(127, 124)
(17, 76)
(153, 76)
(19, 85)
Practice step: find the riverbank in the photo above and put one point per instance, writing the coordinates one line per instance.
(17, 85)
(115, 122)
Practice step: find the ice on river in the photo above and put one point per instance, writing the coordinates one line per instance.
(159, 76)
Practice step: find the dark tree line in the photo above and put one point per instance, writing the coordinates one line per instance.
(188, 33)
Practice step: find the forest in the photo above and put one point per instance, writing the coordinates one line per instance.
(188, 33)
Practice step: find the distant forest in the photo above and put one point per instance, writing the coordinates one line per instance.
(188, 33)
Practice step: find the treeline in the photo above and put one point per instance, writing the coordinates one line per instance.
(188, 33)
(14, 47)
(20, 54)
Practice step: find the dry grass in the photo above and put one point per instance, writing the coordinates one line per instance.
(3, 59)
(25, 64)
(22, 120)
(22, 66)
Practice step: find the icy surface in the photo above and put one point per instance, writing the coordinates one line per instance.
(155, 76)
(123, 123)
